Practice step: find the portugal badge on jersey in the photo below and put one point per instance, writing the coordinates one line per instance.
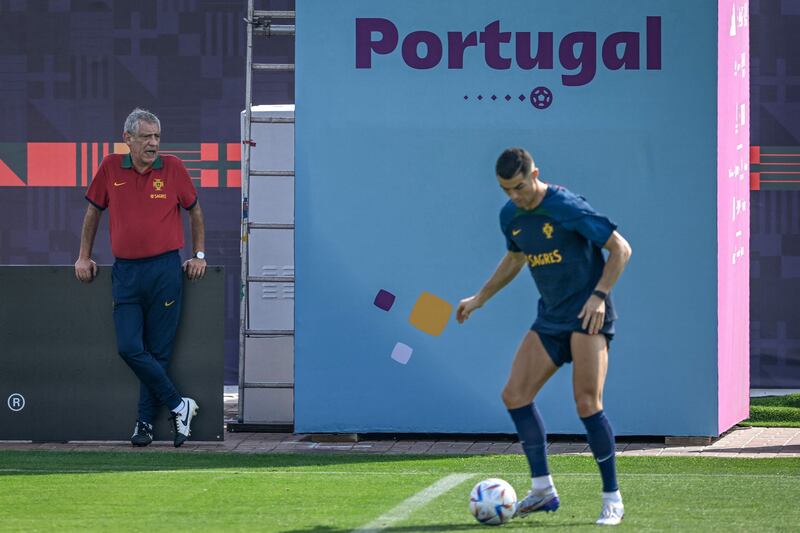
(158, 184)
(547, 229)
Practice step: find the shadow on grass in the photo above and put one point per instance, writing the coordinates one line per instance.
(429, 527)
(17, 463)
(14, 462)
(441, 527)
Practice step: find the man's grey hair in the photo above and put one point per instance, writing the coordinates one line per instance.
(132, 122)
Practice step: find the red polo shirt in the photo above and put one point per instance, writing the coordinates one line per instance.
(144, 209)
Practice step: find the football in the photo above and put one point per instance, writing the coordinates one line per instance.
(492, 501)
(541, 97)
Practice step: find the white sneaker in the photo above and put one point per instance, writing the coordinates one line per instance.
(546, 501)
(183, 420)
(611, 514)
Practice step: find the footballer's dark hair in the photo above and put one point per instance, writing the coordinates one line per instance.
(513, 161)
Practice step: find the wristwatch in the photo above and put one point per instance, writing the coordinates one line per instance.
(200, 255)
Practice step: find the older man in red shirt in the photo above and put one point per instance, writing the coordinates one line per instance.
(144, 192)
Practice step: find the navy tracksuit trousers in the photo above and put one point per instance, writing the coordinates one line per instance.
(147, 307)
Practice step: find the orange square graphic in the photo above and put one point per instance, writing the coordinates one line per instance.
(121, 148)
(430, 314)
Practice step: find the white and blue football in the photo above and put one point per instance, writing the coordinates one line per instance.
(492, 501)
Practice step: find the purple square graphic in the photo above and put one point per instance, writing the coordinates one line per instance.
(384, 300)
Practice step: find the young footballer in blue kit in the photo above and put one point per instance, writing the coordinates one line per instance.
(560, 237)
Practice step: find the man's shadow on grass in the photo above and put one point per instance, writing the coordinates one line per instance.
(514, 525)
(38, 462)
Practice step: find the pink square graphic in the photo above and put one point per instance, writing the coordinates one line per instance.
(402, 353)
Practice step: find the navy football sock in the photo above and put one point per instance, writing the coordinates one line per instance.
(601, 441)
(532, 437)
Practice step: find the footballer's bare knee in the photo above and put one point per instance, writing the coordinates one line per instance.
(587, 404)
(514, 396)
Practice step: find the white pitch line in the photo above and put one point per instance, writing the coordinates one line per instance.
(408, 506)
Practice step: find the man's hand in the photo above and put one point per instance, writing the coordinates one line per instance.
(593, 314)
(85, 269)
(195, 268)
(466, 307)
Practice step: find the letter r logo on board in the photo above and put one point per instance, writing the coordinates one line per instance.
(16, 402)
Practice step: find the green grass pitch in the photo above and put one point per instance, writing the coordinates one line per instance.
(156, 491)
(775, 411)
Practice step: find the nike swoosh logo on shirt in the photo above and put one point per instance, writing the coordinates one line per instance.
(118, 184)
(167, 304)
(516, 232)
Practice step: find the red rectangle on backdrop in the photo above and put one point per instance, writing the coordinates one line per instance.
(234, 178)
(755, 181)
(755, 154)
(94, 155)
(233, 152)
(209, 178)
(52, 164)
(84, 159)
(209, 152)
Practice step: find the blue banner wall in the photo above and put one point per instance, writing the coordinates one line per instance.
(396, 192)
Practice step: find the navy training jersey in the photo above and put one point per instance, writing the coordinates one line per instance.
(562, 239)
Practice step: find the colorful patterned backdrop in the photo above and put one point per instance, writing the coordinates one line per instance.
(71, 70)
(775, 198)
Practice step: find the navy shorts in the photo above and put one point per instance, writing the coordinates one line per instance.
(558, 347)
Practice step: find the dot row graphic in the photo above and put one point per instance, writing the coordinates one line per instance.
(507, 97)
(540, 97)
(430, 314)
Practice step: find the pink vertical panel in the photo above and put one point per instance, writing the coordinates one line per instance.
(733, 212)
